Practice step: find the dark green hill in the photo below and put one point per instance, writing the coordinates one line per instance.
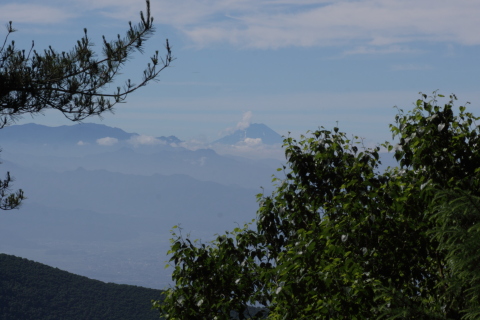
(31, 290)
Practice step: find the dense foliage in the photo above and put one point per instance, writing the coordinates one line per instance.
(339, 239)
(458, 233)
(31, 290)
(72, 82)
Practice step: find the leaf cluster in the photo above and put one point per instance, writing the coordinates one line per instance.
(225, 282)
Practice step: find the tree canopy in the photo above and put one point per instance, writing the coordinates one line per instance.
(73, 83)
(338, 239)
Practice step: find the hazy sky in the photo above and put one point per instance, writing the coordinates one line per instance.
(294, 64)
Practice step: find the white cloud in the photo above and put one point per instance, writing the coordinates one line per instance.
(371, 22)
(33, 13)
(144, 140)
(276, 24)
(194, 144)
(241, 125)
(245, 122)
(252, 142)
(81, 143)
(107, 141)
(251, 148)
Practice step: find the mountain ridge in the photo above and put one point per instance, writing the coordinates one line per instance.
(81, 132)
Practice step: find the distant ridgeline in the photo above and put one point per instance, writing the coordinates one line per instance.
(31, 290)
(32, 133)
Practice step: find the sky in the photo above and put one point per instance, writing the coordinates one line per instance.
(294, 65)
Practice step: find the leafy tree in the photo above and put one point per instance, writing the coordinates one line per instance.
(339, 239)
(458, 233)
(72, 82)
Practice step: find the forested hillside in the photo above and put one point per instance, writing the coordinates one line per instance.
(31, 290)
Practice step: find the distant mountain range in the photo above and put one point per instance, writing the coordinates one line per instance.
(32, 133)
(87, 133)
(254, 131)
(90, 133)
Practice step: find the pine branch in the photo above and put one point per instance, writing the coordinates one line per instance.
(73, 82)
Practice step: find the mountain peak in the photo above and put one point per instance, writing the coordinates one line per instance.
(253, 131)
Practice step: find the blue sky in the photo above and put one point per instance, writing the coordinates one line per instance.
(293, 65)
